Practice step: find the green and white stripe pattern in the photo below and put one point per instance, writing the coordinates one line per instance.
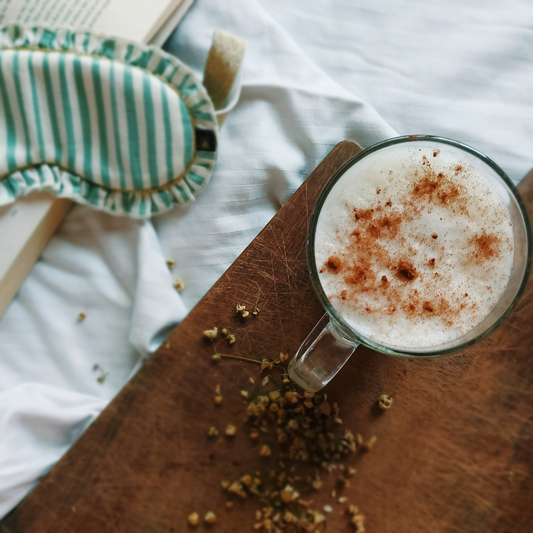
(103, 121)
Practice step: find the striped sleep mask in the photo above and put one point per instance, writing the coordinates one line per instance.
(116, 125)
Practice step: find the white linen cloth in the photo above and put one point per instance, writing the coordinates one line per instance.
(314, 74)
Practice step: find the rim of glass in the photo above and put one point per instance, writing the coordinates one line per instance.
(313, 271)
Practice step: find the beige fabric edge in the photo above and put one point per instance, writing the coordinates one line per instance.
(222, 72)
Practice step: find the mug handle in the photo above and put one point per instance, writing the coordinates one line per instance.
(323, 353)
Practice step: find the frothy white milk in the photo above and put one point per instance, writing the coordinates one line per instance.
(414, 246)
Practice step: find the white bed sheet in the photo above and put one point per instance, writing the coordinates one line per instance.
(315, 73)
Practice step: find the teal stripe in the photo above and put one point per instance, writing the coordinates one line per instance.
(116, 127)
(22, 107)
(196, 178)
(102, 129)
(85, 118)
(143, 59)
(86, 41)
(68, 41)
(170, 76)
(47, 39)
(67, 111)
(10, 123)
(153, 206)
(107, 49)
(142, 206)
(183, 192)
(181, 86)
(187, 134)
(162, 66)
(36, 106)
(133, 131)
(129, 52)
(168, 134)
(165, 196)
(52, 108)
(195, 111)
(149, 116)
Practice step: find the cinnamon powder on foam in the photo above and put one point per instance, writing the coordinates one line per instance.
(360, 262)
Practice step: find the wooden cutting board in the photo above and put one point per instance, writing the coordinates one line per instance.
(454, 453)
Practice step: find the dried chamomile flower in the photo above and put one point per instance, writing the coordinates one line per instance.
(242, 310)
(274, 396)
(210, 517)
(316, 484)
(385, 402)
(194, 519)
(231, 430)
(211, 333)
(265, 451)
(370, 443)
(179, 285)
(358, 520)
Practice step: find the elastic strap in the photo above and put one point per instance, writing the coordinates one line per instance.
(222, 75)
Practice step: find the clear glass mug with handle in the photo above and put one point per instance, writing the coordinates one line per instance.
(331, 343)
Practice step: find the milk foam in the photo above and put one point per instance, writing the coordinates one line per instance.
(414, 246)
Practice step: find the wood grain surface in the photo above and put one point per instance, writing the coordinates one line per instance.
(454, 453)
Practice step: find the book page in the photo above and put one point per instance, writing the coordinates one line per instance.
(138, 20)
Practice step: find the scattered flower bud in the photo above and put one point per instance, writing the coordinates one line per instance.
(171, 263)
(327, 509)
(210, 517)
(194, 519)
(212, 432)
(179, 285)
(211, 333)
(244, 394)
(317, 483)
(385, 402)
(82, 317)
(216, 358)
(246, 480)
(274, 396)
(219, 399)
(265, 451)
(231, 430)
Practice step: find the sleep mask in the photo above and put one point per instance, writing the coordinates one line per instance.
(120, 126)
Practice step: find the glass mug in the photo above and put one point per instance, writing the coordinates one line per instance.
(332, 341)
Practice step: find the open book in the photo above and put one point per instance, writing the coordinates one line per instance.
(27, 225)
